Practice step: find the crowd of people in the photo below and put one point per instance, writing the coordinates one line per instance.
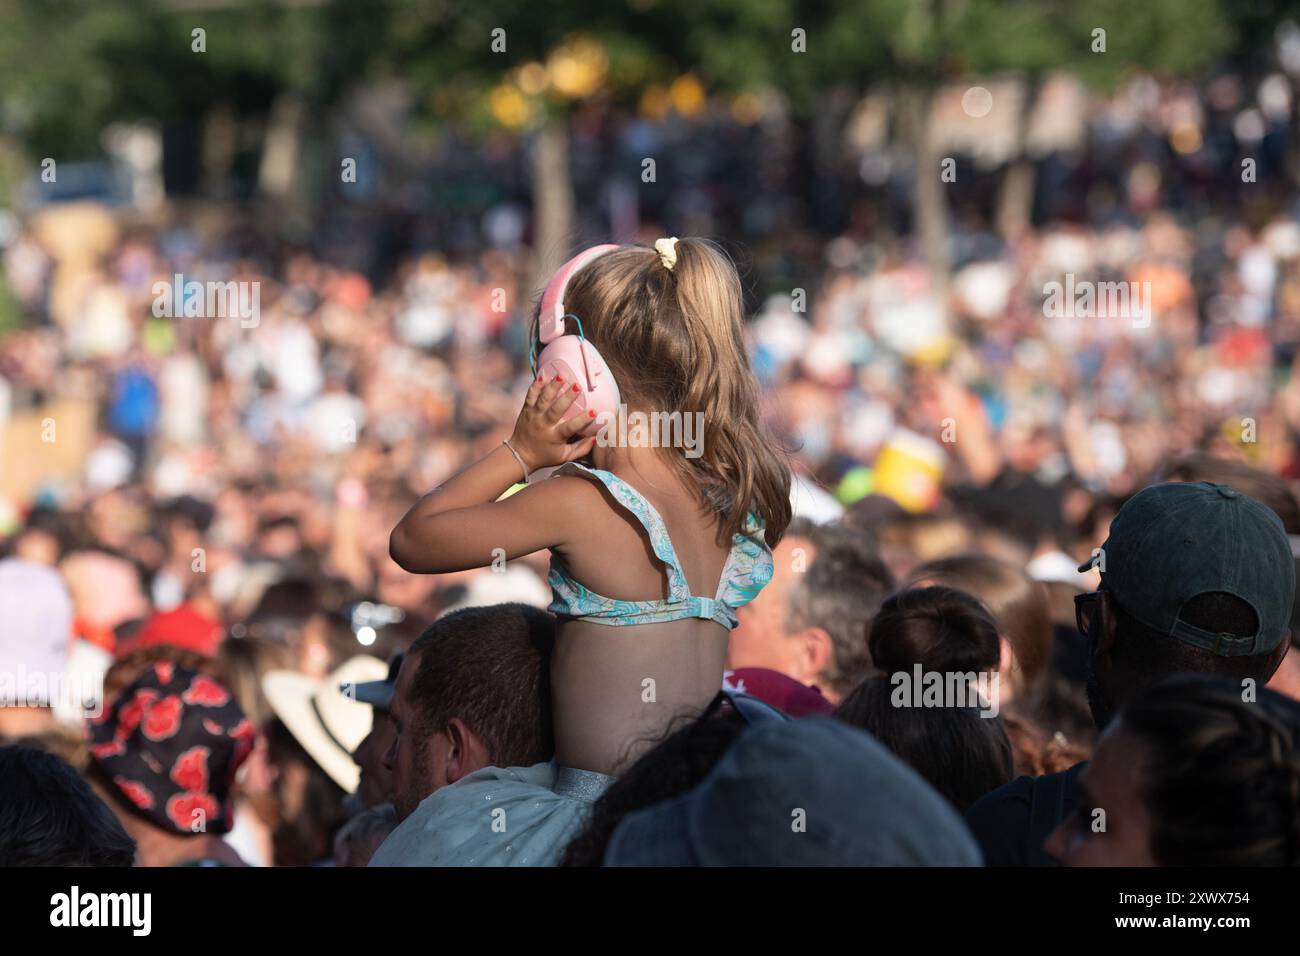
(238, 628)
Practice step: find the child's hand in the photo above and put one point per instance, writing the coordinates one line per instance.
(541, 435)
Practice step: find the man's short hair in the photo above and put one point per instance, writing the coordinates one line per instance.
(489, 667)
(1143, 655)
(49, 816)
(840, 591)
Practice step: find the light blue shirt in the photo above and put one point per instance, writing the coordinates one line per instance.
(497, 816)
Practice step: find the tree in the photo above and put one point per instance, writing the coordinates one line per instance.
(527, 66)
(915, 46)
(70, 68)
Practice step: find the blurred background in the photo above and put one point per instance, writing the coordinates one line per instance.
(899, 181)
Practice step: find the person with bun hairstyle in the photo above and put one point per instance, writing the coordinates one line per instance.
(958, 746)
(1020, 608)
(940, 628)
(1190, 774)
(655, 538)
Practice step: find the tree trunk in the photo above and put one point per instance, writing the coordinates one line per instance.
(1016, 198)
(1015, 207)
(553, 202)
(220, 143)
(277, 177)
(929, 198)
(281, 175)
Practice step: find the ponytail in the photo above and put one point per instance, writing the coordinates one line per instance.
(669, 323)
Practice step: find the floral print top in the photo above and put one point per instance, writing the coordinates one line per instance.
(748, 568)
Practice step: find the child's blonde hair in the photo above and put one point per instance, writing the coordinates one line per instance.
(673, 339)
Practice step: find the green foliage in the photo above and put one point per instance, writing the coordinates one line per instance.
(67, 67)
(930, 41)
(1177, 37)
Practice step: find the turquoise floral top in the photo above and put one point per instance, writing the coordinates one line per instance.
(748, 568)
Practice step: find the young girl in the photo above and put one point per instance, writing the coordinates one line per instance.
(652, 548)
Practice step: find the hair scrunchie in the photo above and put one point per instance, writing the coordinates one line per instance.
(667, 249)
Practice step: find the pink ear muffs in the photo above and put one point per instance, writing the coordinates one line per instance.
(571, 356)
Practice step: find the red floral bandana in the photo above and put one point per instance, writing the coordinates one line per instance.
(171, 743)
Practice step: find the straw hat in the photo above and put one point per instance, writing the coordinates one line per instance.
(328, 724)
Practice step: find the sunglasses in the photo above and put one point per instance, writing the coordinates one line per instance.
(751, 710)
(1085, 610)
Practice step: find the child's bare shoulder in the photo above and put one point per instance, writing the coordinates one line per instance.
(581, 495)
(566, 491)
(574, 484)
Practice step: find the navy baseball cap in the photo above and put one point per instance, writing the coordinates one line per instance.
(376, 693)
(1172, 542)
(810, 792)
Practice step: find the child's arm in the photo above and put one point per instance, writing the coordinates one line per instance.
(461, 524)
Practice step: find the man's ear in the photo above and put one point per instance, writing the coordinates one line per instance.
(1109, 631)
(1275, 659)
(1007, 661)
(817, 650)
(1008, 670)
(466, 752)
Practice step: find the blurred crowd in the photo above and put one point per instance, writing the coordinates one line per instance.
(197, 509)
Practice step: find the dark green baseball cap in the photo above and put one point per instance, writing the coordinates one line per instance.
(1174, 541)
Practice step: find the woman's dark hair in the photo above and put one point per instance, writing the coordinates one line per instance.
(1018, 603)
(960, 751)
(676, 764)
(49, 815)
(940, 628)
(308, 837)
(1222, 779)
